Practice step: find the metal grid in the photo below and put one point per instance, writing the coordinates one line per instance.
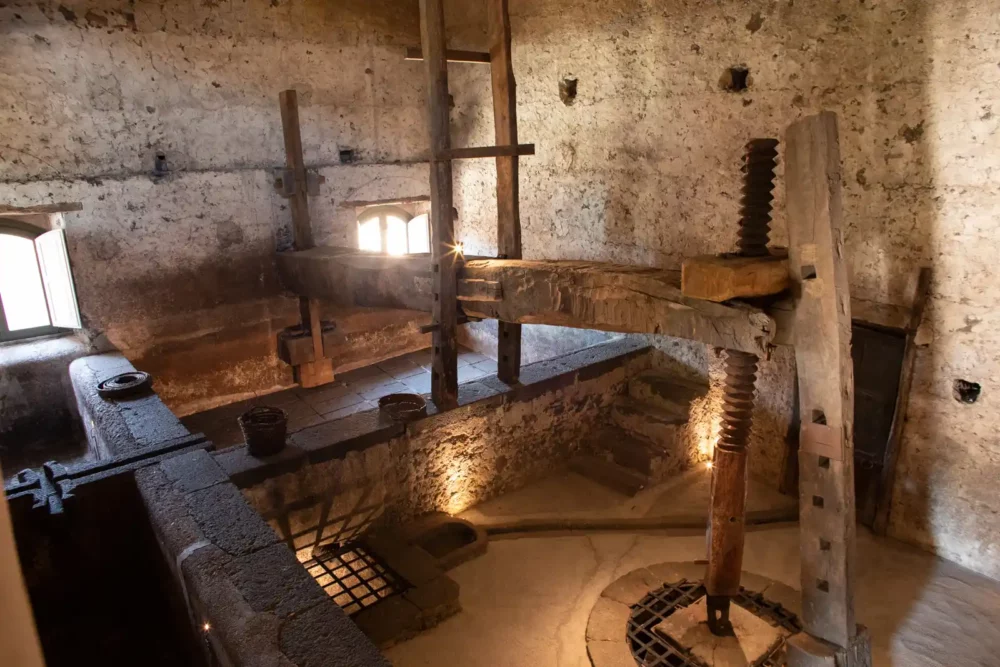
(650, 649)
(354, 577)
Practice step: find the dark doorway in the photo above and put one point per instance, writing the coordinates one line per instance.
(878, 359)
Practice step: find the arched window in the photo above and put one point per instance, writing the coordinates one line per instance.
(36, 287)
(393, 231)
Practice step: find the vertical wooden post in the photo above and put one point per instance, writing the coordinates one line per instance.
(320, 370)
(508, 209)
(444, 378)
(826, 393)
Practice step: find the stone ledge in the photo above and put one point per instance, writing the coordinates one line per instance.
(226, 520)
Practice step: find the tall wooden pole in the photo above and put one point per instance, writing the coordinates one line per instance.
(444, 308)
(508, 209)
(320, 370)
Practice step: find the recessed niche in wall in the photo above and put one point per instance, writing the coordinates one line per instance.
(736, 79)
(567, 91)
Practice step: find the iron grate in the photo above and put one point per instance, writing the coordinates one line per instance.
(652, 650)
(353, 576)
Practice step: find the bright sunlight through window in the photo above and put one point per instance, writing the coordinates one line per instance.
(393, 231)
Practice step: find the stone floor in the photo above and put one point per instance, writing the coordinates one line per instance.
(526, 602)
(351, 392)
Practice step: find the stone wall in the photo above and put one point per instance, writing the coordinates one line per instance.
(642, 167)
(176, 271)
(334, 479)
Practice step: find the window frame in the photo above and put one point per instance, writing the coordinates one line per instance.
(30, 232)
(383, 212)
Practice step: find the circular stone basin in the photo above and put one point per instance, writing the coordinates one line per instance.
(656, 616)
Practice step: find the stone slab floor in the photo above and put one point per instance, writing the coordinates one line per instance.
(527, 600)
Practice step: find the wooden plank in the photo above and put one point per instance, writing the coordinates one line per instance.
(727, 522)
(487, 151)
(356, 203)
(452, 55)
(721, 278)
(888, 479)
(585, 295)
(508, 188)
(444, 307)
(320, 371)
(818, 271)
(7, 211)
(299, 202)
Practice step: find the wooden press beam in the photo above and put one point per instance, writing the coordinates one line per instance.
(508, 191)
(444, 306)
(584, 295)
(319, 371)
(818, 271)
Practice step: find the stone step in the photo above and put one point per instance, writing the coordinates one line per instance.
(669, 393)
(609, 474)
(660, 429)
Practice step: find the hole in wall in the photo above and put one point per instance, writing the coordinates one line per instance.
(824, 545)
(808, 272)
(347, 156)
(735, 79)
(966, 392)
(160, 166)
(817, 501)
(818, 417)
(567, 91)
(824, 462)
(823, 585)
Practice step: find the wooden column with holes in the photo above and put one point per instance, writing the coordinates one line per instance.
(444, 307)
(320, 370)
(818, 271)
(508, 209)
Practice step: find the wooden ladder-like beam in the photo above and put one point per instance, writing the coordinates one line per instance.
(444, 382)
(508, 208)
(444, 302)
(818, 272)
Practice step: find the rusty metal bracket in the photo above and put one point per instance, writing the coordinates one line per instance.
(822, 440)
(286, 186)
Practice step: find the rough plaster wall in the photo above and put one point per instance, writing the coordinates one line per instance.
(643, 168)
(177, 271)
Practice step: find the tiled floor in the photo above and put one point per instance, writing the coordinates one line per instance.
(352, 392)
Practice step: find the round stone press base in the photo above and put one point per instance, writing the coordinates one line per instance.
(655, 616)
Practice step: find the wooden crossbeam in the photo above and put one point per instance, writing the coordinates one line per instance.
(452, 55)
(444, 307)
(818, 271)
(584, 295)
(508, 191)
(486, 151)
(320, 371)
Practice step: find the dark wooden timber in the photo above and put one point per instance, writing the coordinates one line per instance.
(508, 195)
(444, 305)
(825, 372)
(453, 56)
(728, 511)
(505, 150)
(320, 371)
(902, 401)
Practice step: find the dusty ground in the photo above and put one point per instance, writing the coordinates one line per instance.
(527, 601)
